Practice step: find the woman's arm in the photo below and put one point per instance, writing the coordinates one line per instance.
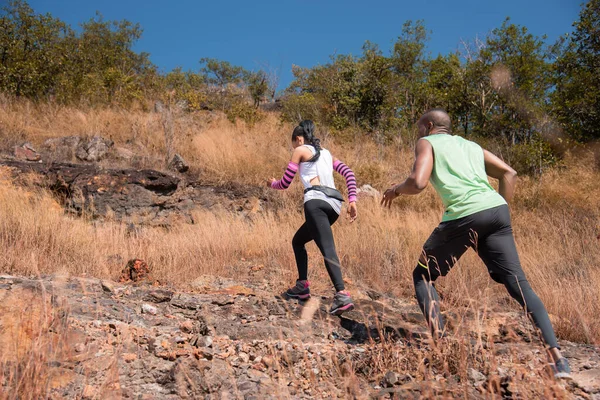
(298, 156)
(348, 174)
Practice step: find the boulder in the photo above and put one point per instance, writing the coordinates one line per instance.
(178, 164)
(26, 152)
(369, 191)
(94, 149)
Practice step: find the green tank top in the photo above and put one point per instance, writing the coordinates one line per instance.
(459, 177)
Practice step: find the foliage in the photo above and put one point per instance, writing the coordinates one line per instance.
(576, 98)
(502, 88)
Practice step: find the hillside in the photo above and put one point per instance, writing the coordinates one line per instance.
(218, 245)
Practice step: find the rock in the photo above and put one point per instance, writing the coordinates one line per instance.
(373, 294)
(93, 150)
(62, 148)
(158, 295)
(135, 270)
(89, 392)
(203, 352)
(148, 309)
(391, 378)
(80, 347)
(588, 381)
(26, 152)
(159, 107)
(108, 286)
(178, 164)
(476, 376)
(123, 153)
(186, 326)
(146, 197)
(202, 341)
(368, 191)
(129, 357)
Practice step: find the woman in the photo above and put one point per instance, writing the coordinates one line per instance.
(322, 207)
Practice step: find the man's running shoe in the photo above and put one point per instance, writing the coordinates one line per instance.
(300, 291)
(562, 369)
(341, 303)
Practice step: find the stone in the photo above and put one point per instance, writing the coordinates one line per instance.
(26, 152)
(368, 191)
(123, 154)
(135, 270)
(94, 149)
(203, 352)
(178, 164)
(80, 347)
(129, 357)
(390, 379)
(157, 295)
(108, 286)
(148, 309)
(476, 376)
(61, 148)
(186, 326)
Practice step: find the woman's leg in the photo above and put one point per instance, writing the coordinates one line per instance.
(319, 218)
(299, 241)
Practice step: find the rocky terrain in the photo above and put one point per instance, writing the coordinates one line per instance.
(69, 168)
(218, 339)
(82, 338)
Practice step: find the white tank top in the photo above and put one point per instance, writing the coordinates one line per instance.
(323, 168)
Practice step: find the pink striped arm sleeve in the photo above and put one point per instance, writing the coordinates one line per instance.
(347, 173)
(288, 177)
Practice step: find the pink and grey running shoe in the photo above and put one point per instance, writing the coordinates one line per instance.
(300, 291)
(342, 302)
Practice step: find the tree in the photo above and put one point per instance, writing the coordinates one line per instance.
(32, 53)
(221, 73)
(576, 98)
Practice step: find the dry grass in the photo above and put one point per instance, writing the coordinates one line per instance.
(556, 219)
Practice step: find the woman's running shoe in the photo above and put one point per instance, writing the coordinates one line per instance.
(342, 302)
(300, 291)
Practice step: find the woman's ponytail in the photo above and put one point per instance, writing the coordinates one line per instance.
(308, 129)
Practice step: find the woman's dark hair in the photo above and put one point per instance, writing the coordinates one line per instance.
(306, 129)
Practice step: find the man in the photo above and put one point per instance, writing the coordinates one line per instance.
(475, 216)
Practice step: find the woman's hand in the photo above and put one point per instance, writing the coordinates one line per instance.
(352, 211)
(389, 196)
(270, 182)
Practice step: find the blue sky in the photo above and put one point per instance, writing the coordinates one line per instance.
(286, 32)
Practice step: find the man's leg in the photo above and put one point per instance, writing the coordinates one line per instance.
(446, 244)
(499, 253)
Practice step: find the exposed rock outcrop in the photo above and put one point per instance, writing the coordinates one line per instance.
(139, 196)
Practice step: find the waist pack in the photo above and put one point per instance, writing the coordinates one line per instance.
(327, 191)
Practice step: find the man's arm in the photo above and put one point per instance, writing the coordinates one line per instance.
(418, 178)
(498, 169)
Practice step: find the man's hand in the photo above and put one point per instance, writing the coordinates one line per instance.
(352, 211)
(389, 196)
(270, 182)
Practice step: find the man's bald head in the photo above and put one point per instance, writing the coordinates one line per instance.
(435, 118)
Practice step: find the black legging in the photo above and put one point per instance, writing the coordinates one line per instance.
(319, 218)
(490, 233)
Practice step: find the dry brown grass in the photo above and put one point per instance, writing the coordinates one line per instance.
(556, 219)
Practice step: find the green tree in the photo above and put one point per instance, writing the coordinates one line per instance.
(576, 98)
(32, 52)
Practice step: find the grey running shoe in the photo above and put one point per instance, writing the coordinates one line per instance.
(300, 291)
(342, 302)
(562, 369)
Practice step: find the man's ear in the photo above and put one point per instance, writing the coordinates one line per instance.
(429, 125)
